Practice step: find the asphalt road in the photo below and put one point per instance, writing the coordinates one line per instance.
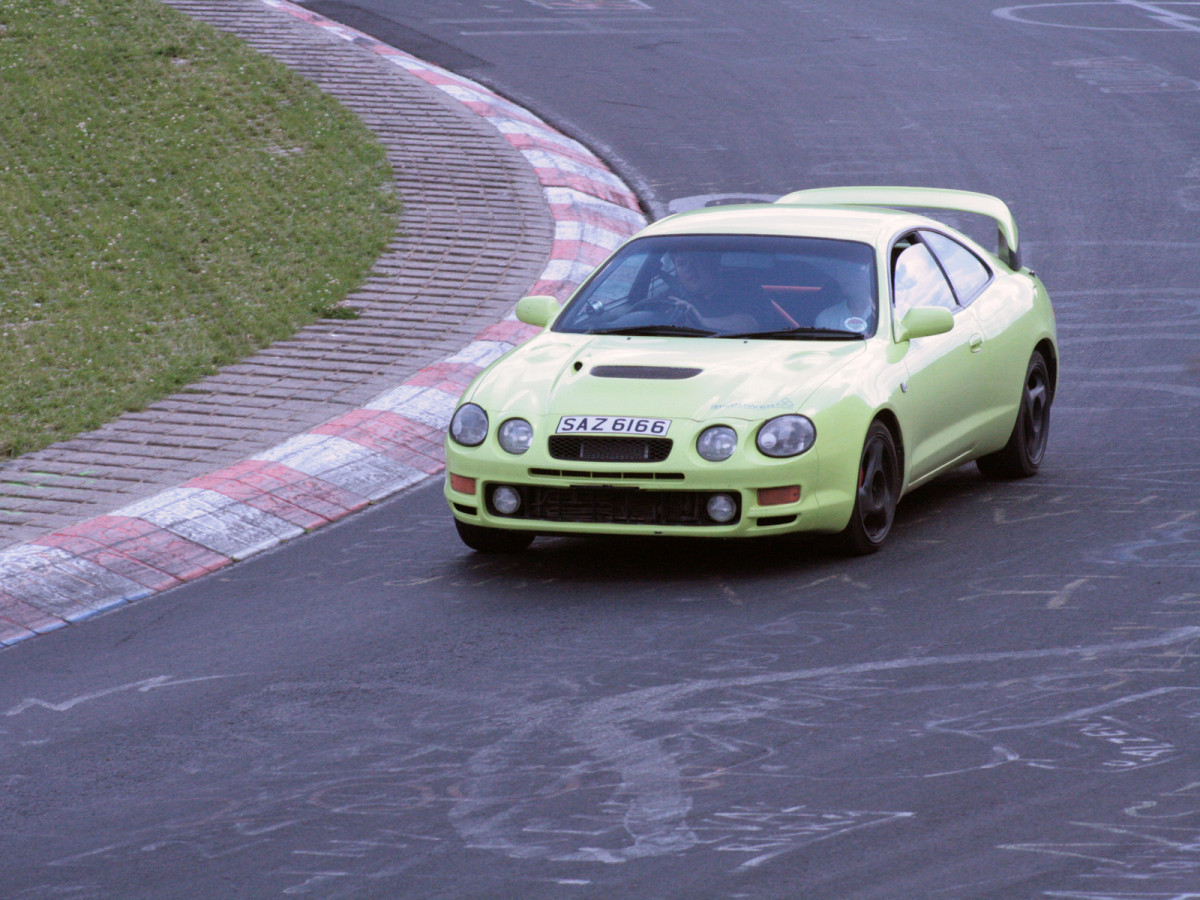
(1002, 704)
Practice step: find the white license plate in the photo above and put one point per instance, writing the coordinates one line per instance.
(630, 425)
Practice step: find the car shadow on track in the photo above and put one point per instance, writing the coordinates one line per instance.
(934, 515)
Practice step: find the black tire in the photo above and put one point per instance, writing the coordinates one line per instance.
(493, 540)
(1026, 447)
(876, 495)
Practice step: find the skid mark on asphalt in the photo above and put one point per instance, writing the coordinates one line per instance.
(539, 769)
(147, 684)
(648, 751)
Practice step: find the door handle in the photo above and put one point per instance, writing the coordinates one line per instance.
(976, 343)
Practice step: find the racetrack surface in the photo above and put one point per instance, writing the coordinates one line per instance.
(1001, 704)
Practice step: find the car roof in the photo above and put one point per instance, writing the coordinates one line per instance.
(866, 224)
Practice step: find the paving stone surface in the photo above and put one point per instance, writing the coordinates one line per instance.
(344, 414)
(476, 232)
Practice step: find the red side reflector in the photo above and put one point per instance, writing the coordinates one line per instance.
(462, 484)
(779, 495)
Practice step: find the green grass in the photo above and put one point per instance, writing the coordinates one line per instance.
(170, 201)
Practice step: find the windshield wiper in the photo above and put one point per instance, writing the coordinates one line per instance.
(801, 332)
(657, 330)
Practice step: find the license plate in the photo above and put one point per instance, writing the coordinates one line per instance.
(630, 425)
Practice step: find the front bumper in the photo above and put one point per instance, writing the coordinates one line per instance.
(668, 497)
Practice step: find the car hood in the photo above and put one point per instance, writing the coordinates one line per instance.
(696, 378)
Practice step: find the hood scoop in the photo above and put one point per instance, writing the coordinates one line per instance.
(653, 373)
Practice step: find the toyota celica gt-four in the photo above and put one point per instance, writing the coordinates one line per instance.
(761, 369)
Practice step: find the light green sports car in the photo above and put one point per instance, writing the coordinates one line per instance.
(754, 370)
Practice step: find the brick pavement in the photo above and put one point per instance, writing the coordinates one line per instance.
(346, 412)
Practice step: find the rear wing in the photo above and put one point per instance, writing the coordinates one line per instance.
(923, 198)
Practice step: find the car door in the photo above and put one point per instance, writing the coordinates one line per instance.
(995, 303)
(939, 406)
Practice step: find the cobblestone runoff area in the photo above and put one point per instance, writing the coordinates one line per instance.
(475, 234)
(346, 413)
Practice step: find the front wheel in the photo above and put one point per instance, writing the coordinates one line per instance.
(876, 495)
(1026, 447)
(493, 540)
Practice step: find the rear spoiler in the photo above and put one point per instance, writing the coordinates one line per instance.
(924, 198)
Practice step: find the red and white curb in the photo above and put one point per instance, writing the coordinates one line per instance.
(358, 458)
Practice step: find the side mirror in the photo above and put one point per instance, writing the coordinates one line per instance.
(924, 321)
(537, 310)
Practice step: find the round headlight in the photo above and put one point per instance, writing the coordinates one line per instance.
(717, 443)
(469, 426)
(515, 435)
(786, 436)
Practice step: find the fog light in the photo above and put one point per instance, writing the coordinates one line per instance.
(506, 500)
(721, 508)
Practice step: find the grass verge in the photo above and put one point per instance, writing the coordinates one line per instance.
(170, 201)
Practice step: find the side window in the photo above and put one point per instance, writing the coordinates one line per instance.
(917, 280)
(968, 275)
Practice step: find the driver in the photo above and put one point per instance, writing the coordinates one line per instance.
(699, 295)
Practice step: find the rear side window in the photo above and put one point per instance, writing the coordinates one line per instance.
(917, 280)
(967, 274)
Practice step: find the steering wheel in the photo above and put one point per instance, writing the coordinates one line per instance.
(677, 312)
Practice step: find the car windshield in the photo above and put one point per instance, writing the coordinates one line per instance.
(735, 286)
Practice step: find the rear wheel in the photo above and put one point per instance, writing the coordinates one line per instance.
(1026, 447)
(876, 495)
(493, 540)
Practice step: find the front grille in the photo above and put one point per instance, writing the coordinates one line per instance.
(577, 474)
(592, 448)
(616, 505)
